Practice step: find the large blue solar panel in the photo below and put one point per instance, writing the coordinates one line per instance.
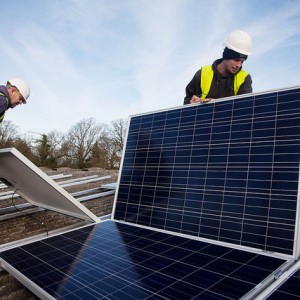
(227, 170)
(120, 261)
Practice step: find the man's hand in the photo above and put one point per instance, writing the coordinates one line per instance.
(196, 99)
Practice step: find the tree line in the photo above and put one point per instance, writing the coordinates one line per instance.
(87, 144)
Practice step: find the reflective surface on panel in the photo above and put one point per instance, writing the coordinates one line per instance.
(116, 261)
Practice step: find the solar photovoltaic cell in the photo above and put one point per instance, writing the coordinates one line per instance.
(227, 170)
(120, 261)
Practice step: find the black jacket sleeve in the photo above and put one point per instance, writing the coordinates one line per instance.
(193, 88)
(246, 86)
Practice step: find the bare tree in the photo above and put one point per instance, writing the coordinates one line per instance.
(100, 153)
(55, 139)
(57, 149)
(107, 152)
(24, 146)
(8, 134)
(48, 148)
(118, 133)
(80, 139)
(87, 144)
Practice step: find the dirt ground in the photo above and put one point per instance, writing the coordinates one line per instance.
(26, 226)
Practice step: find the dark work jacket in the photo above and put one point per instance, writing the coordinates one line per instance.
(222, 86)
(4, 105)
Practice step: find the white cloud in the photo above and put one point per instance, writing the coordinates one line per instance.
(108, 60)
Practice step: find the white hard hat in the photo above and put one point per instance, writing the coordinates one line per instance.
(239, 41)
(22, 87)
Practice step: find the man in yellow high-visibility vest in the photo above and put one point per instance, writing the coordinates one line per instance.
(14, 93)
(225, 77)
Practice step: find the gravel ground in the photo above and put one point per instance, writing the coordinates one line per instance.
(26, 226)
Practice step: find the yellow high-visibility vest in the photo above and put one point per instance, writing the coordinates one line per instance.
(207, 75)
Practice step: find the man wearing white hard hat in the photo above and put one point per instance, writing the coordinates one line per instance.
(225, 77)
(15, 92)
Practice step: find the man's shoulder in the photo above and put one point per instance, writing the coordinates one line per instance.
(243, 72)
(3, 91)
(244, 75)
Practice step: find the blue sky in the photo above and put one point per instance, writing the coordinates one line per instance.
(109, 59)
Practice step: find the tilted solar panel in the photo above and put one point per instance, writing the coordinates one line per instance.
(227, 170)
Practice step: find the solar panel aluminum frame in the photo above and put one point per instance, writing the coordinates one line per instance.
(37, 188)
(281, 280)
(296, 247)
(297, 224)
(39, 292)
